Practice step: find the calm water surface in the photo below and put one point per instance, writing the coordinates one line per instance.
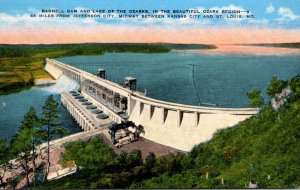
(221, 80)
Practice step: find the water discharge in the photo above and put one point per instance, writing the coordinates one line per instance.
(62, 84)
(14, 106)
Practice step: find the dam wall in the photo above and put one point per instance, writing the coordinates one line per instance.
(183, 126)
(53, 70)
(176, 125)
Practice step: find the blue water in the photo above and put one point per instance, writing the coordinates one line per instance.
(14, 106)
(221, 80)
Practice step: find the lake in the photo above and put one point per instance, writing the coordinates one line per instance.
(214, 79)
(218, 79)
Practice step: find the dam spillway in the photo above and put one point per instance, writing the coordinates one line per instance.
(176, 125)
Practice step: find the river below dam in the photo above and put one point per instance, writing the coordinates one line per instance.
(14, 106)
(188, 77)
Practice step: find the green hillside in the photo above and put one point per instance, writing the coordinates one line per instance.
(268, 144)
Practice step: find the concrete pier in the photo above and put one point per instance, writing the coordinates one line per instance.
(83, 117)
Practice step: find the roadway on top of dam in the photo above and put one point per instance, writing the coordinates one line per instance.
(80, 74)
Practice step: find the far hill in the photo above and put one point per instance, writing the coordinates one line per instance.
(106, 45)
(187, 46)
(281, 45)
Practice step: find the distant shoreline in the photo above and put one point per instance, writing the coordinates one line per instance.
(245, 50)
(294, 45)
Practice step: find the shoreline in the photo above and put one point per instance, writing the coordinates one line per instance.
(245, 50)
(44, 82)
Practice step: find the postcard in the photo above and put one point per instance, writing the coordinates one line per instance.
(149, 94)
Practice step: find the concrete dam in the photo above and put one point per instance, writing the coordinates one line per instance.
(176, 125)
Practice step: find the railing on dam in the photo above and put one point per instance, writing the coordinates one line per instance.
(80, 75)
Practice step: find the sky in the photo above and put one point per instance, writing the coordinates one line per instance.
(275, 21)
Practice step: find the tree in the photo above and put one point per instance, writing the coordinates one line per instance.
(135, 158)
(24, 143)
(94, 154)
(53, 126)
(4, 160)
(275, 87)
(150, 161)
(295, 85)
(185, 160)
(21, 147)
(122, 160)
(32, 123)
(256, 100)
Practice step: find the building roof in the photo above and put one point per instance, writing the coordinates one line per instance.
(129, 78)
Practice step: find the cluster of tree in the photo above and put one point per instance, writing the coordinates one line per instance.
(263, 149)
(275, 87)
(10, 87)
(100, 167)
(78, 49)
(282, 45)
(188, 46)
(23, 147)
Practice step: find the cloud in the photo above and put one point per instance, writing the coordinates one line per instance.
(287, 14)
(20, 21)
(185, 21)
(232, 7)
(270, 9)
(24, 21)
(259, 21)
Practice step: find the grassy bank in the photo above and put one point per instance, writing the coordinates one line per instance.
(21, 65)
(19, 73)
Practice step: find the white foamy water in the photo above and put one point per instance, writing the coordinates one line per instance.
(62, 84)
